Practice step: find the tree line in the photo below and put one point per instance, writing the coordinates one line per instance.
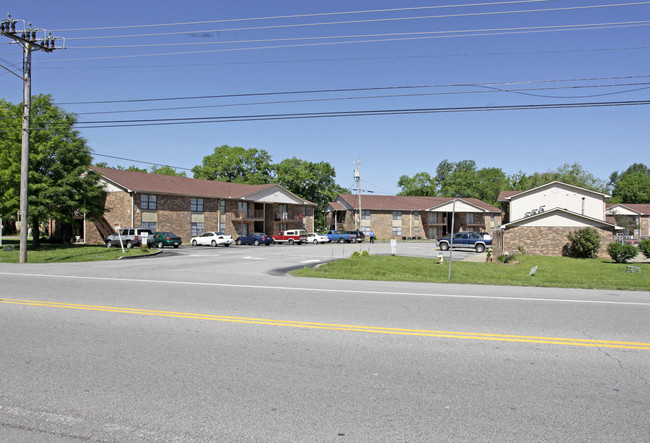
(464, 179)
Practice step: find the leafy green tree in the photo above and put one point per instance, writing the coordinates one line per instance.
(421, 184)
(166, 170)
(60, 182)
(644, 246)
(631, 186)
(312, 181)
(572, 174)
(237, 165)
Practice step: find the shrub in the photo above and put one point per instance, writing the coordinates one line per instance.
(621, 253)
(365, 253)
(144, 247)
(582, 244)
(522, 250)
(355, 254)
(644, 246)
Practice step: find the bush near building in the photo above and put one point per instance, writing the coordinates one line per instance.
(622, 253)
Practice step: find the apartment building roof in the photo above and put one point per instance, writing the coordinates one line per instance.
(403, 203)
(143, 182)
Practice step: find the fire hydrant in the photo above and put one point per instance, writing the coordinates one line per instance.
(441, 259)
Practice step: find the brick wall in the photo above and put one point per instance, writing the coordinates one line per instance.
(542, 240)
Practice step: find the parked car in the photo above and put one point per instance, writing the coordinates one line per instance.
(254, 238)
(486, 235)
(212, 239)
(162, 239)
(316, 238)
(465, 240)
(340, 237)
(360, 235)
(291, 236)
(130, 237)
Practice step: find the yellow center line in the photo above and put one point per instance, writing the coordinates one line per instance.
(339, 327)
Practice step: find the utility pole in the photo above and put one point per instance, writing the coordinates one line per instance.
(27, 38)
(357, 178)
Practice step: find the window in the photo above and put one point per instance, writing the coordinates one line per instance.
(433, 217)
(222, 206)
(148, 202)
(433, 233)
(242, 208)
(365, 215)
(283, 226)
(469, 218)
(149, 225)
(197, 229)
(416, 230)
(196, 205)
(397, 215)
(222, 227)
(242, 229)
(416, 215)
(365, 230)
(397, 230)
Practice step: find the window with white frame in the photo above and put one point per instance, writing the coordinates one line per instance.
(416, 216)
(469, 218)
(365, 214)
(196, 205)
(222, 207)
(148, 202)
(397, 215)
(365, 230)
(197, 229)
(416, 231)
(433, 233)
(397, 230)
(433, 217)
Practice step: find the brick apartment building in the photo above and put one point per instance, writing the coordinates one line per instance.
(390, 216)
(189, 207)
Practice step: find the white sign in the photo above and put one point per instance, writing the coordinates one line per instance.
(117, 228)
(393, 246)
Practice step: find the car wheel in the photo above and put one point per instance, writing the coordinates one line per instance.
(214, 243)
(257, 242)
(341, 240)
(290, 241)
(226, 244)
(160, 245)
(193, 242)
(175, 246)
(480, 248)
(129, 245)
(238, 241)
(444, 246)
(315, 242)
(109, 244)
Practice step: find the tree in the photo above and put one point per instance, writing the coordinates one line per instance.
(312, 181)
(632, 186)
(166, 170)
(572, 174)
(583, 243)
(421, 184)
(60, 182)
(237, 165)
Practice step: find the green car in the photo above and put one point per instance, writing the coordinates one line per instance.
(162, 239)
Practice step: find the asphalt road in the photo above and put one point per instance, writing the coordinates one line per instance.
(217, 344)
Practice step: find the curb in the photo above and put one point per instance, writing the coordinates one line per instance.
(152, 254)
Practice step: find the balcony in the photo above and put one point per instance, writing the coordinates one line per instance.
(257, 214)
(288, 216)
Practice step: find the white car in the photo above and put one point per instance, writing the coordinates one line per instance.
(212, 239)
(312, 237)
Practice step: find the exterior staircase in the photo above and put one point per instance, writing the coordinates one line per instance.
(104, 227)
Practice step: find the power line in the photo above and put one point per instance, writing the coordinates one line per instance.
(297, 25)
(379, 88)
(138, 161)
(391, 34)
(375, 40)
(321, 14)
(361, 113)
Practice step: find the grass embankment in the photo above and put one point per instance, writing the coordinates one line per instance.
(54, 253)
(558, 272)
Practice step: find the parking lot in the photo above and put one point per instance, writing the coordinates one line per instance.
(278, 258)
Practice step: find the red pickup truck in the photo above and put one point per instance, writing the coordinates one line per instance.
(291, 236)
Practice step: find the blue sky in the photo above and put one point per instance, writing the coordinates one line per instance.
(479, 54)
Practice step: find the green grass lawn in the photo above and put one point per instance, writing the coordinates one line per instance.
(54, 253)
(559, 272)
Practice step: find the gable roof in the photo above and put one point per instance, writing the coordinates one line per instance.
(508, 195)
(403, 202)
(640, 208)
(562, 211)
(143, 182)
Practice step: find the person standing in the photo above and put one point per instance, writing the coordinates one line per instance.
(372, 237)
